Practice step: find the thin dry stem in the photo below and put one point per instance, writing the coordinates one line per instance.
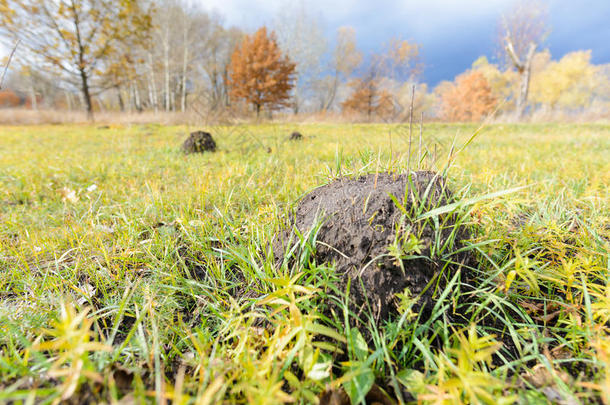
(421, 130)
(410, 129)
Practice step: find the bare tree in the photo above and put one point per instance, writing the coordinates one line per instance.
(185, 59)
(165, 41)
(301, 38)
(195, 41)
(185, 54)
(346, 58)
(217, 59)
(152, 87)
(374, 93)
(521, 31)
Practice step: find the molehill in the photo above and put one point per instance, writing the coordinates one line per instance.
(295, 136)
(199, 142)
(377, 248)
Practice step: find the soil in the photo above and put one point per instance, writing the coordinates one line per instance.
(295, 136)
(360, 221)
(199, 142)
(339, 397)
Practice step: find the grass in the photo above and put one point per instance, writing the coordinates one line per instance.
(121, 260)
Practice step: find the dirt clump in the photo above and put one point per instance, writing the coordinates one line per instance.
(199, 142)
(377, 248)
(295, 136)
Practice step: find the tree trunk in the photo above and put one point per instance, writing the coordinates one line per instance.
(225, 86)
(150, 95)
(120, 99)
(297, 101)
(333, 92)
(100, 105)
(130, 103)
(136, 93)
(152, 84)
(33, 96)
(82, 64)
(525, 82)
(86, 94)
(184, 64)
(69, 100)
(166, 66)
(216, 96)
(524, 68)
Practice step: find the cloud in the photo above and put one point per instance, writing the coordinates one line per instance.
(422, 14)
(452, 33)
(427, 22)
(243, 13)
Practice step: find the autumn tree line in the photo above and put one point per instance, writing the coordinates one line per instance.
(172, 56)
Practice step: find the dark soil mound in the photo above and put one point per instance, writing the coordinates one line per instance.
(295, 136)
(199, 142)
(360, 223)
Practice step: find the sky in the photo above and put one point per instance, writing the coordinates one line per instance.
(452, 33)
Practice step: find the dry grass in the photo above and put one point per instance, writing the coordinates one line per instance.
(201, 116)
(22, 116)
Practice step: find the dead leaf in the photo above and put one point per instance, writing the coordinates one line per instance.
(67, 194)
(540, 376)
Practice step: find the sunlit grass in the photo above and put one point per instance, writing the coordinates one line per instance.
(121, 260)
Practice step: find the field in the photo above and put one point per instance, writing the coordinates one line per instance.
(119, 255)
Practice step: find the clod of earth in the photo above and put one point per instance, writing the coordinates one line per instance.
(199, 142)
(295, 136)
(376, 247)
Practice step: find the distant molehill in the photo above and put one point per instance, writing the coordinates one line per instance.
(199, 142)
(295, 136)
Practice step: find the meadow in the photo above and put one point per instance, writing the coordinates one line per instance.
(119, 254)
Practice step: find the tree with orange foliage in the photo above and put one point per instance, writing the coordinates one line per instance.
(367, 97)
(372, 93)
(260, 74)
(470, 98)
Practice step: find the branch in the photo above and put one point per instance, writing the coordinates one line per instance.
(530, 53)
(96, 27)
(56, 27)
(10, 57)
(37, 44)
(96, 90)
(510, 49)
